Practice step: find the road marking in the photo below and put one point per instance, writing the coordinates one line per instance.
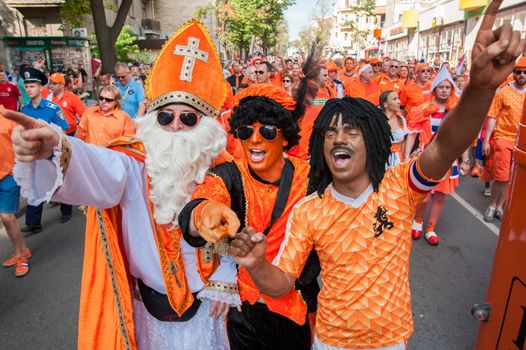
(475, 213)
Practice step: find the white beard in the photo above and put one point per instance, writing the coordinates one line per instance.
(177, 162)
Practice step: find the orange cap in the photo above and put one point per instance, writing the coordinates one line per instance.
(374, 60)
(57, 78)
(421, 66)
(188, 71)
(267, 90)
(521, 62)
(331, 66)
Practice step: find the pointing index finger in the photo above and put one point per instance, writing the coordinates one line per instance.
(19, 118)
(489, 16)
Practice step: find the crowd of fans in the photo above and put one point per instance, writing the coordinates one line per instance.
(414, 96)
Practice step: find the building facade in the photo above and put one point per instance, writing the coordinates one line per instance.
(153, 21)
(443, 30)
(352, 30)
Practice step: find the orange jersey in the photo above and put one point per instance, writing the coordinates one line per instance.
(260, 198)
(369, 91)
(99, 129)
(346, 80)
(396, 85)
(72, 107)
(301, 150)
(507, 109)
(7, 160)
(277, 80)
(415, 95)
(364, 246)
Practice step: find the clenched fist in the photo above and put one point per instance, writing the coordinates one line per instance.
(248, 248)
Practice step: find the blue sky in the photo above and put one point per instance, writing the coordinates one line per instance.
(299, 16)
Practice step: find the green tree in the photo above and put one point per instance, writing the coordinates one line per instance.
(106, 36)
(245, 24)
(72, 13)
(126, 47)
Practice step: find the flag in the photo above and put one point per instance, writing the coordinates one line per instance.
(460, 64)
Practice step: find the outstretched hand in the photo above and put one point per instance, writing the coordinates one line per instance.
(217, 222)
(495, 51)
(32, 139)
(248, 248)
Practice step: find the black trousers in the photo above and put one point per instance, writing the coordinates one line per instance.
(258, 328)
(34, 213)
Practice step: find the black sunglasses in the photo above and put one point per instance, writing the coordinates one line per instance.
(106, 99)
(260, 72)
(187, 118)
(286, 80)
(395, 66)
(268, 132)
(121, 76)
(519, 71)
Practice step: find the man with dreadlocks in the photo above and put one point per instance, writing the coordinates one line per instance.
(359, 218)
(259, 191)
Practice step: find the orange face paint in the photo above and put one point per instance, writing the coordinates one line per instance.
(265, 157)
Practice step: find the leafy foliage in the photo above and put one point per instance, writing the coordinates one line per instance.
(245, 24)
(126, 47)
(126, 44)
(72, 13)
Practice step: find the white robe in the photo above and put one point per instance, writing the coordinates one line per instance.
(104, 178)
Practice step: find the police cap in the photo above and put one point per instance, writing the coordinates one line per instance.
(33, 75)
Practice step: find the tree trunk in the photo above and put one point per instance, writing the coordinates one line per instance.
(106, 35)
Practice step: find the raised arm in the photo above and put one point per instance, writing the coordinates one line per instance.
(493, 56)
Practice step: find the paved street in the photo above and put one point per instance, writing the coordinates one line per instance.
(40, 310)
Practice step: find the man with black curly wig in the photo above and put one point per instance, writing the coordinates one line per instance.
(358, 219)
(259, 191)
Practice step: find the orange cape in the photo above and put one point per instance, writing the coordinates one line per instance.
(106, 311)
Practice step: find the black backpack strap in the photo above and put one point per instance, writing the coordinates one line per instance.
(283, 193)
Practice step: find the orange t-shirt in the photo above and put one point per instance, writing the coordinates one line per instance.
(277, 80)
(396, 85)
(346, 80)
(415, 95)
(98, 129)
(7, 160)
(369, 91)
(507, 109)
(301, 150)
(72, 107)
(364, 246)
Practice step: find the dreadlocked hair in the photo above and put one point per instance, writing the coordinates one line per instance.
(253, 109)
(311, 72)
(357, 113)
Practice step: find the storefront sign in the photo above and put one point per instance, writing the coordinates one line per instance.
(395, 31)
(45, 42)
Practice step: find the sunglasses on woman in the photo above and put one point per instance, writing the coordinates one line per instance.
(187, 118)
(105, 99)
(268, 132)
(286, 80)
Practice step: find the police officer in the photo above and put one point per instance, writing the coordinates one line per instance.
(39, 108)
